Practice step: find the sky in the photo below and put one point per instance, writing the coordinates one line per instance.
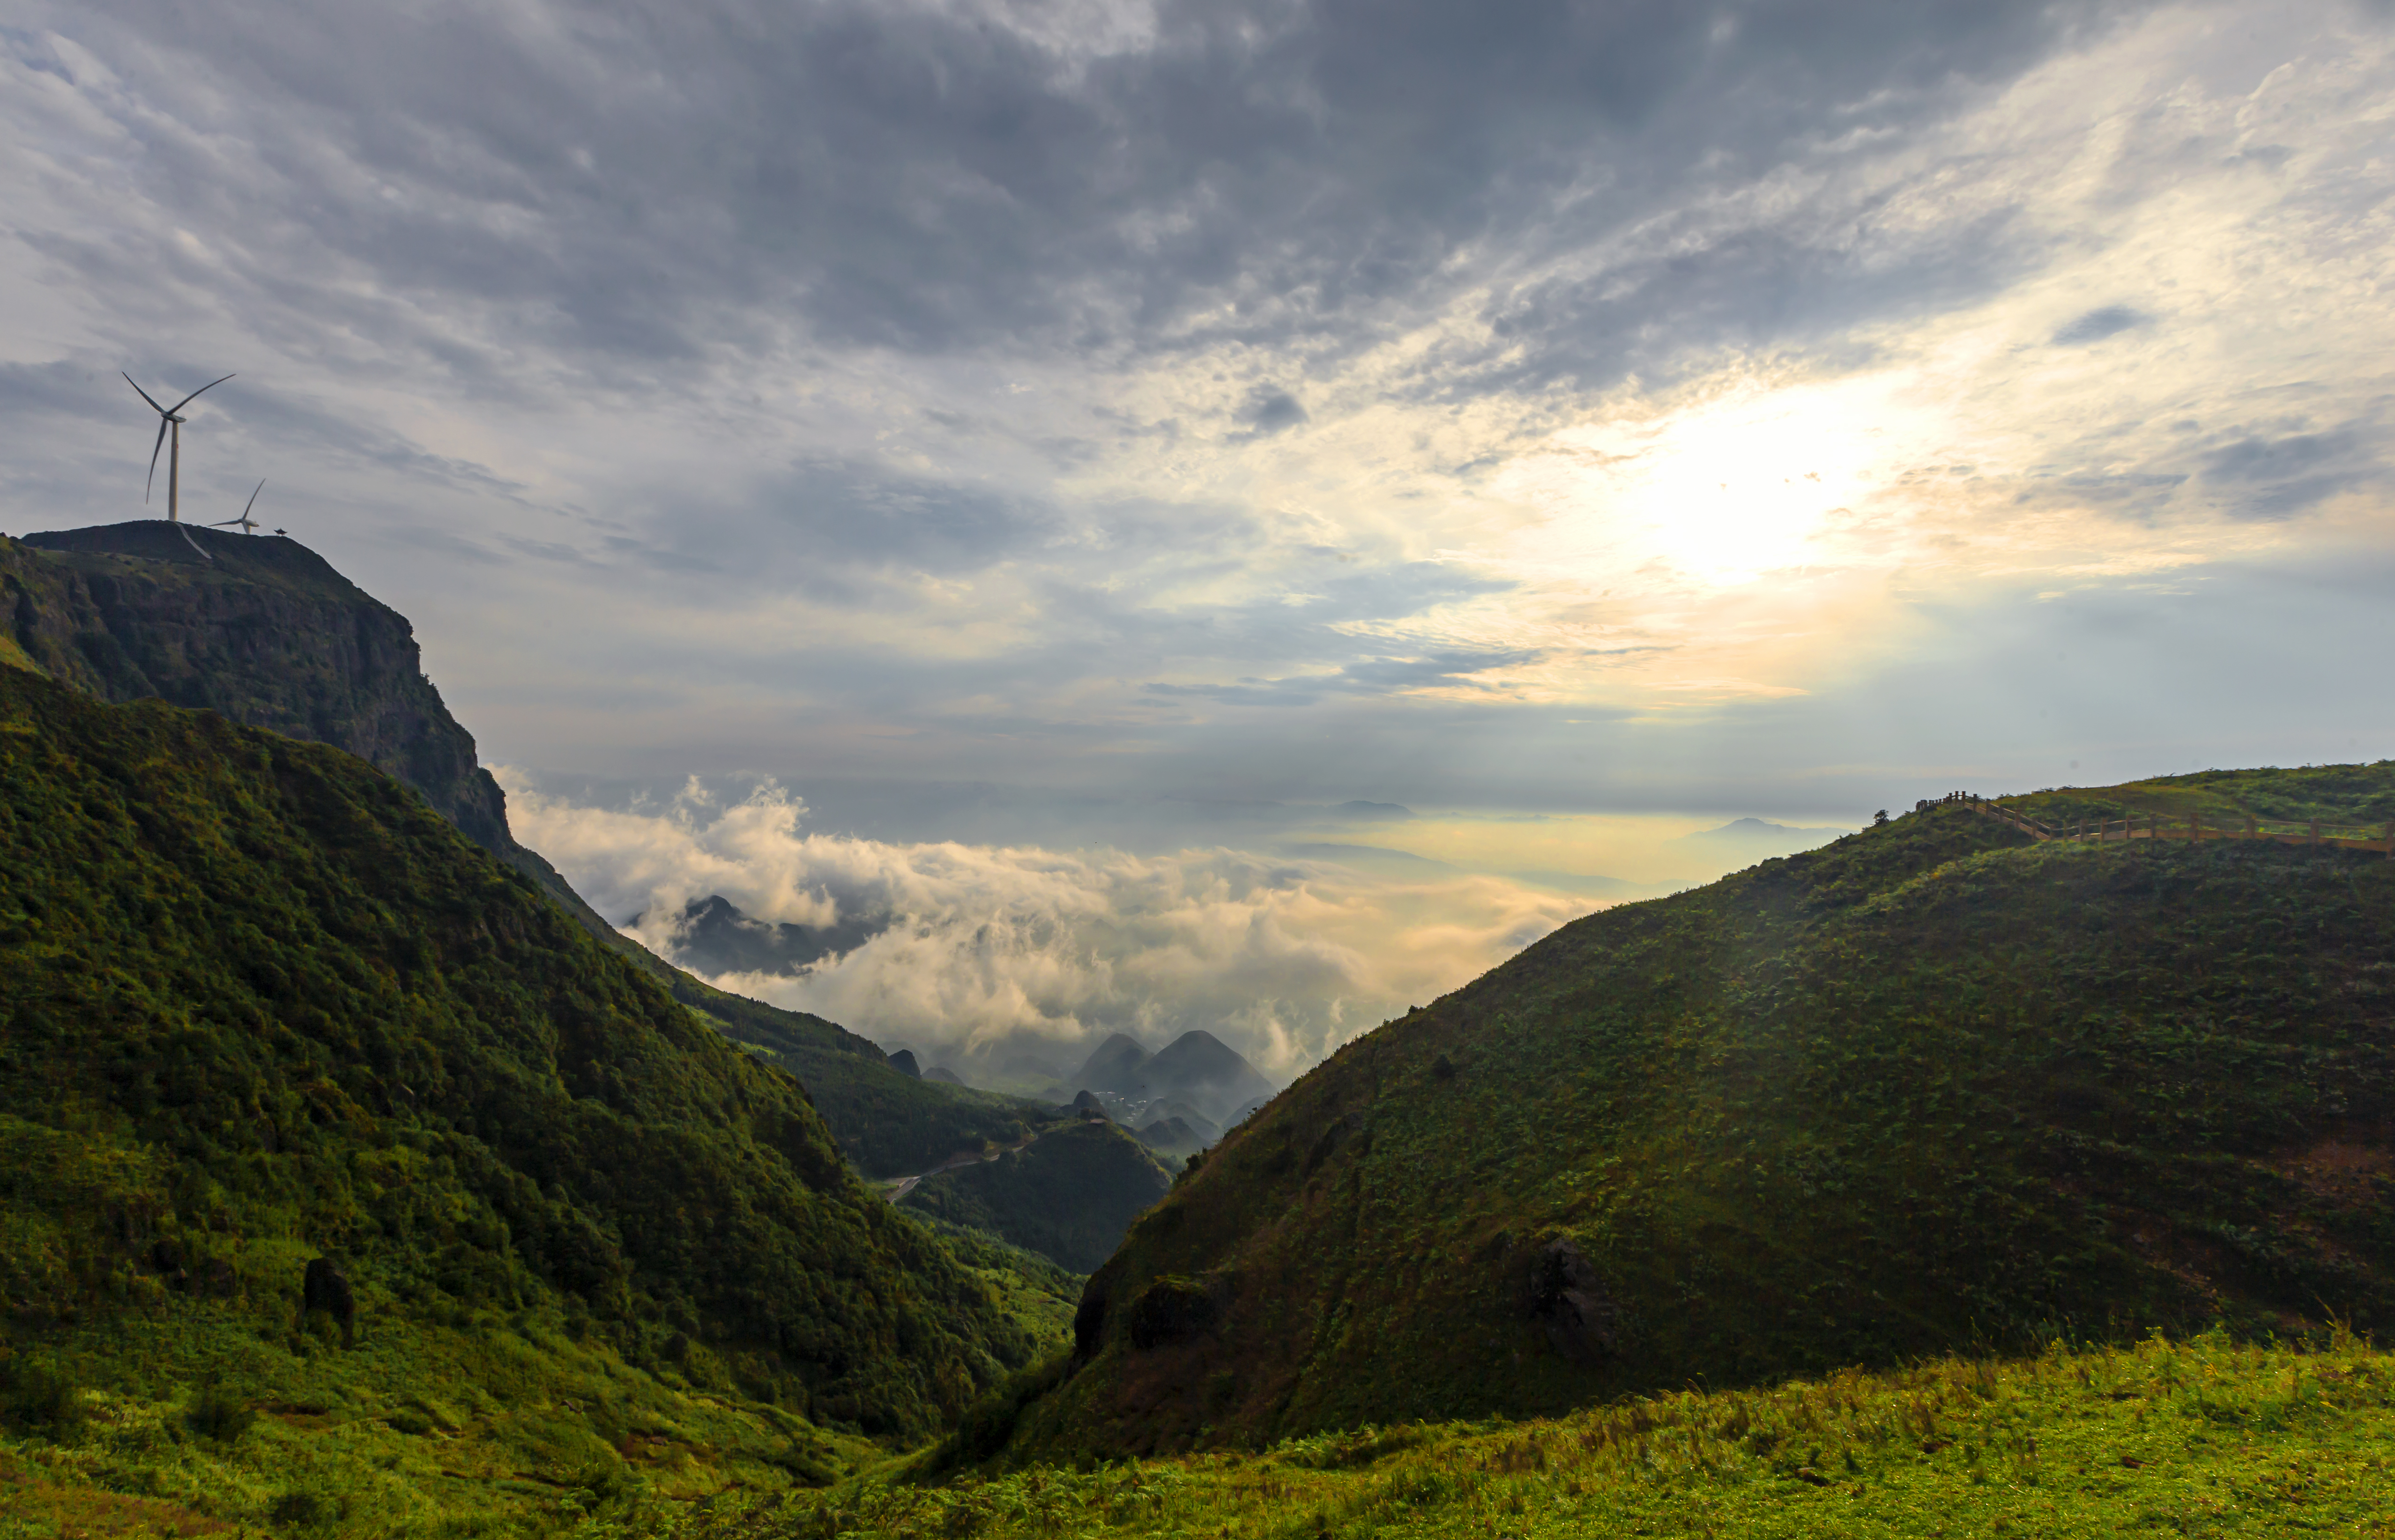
(1017, 477)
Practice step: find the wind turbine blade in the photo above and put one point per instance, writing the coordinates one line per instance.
(162, 422)
(195, 395)
(145, 395)
(253, 500)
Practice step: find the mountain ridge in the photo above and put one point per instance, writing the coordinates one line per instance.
(268, 633)
(1927, 1086)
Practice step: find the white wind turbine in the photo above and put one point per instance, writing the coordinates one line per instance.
(247, 524)
(169, 421)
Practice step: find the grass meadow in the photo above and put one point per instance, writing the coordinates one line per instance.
(2202, 1437)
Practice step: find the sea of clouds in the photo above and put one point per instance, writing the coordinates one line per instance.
(1284, 959)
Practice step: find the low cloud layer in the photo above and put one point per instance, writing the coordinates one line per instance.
(1284, 959)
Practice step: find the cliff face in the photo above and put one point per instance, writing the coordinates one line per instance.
(260, 629)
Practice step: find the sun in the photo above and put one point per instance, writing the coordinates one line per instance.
(1720, 492)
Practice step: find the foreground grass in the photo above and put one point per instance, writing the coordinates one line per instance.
(496, 1427)
(2201, 1437)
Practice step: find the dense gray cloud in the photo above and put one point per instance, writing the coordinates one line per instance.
(1064, 426)
(627, 188)
(2283, 476)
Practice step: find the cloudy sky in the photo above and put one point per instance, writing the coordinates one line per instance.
(1033, 464)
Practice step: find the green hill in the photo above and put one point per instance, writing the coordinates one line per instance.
(1929, 1087)
(265, 632)
(2330, 794)
(890, 1122)
(1069, 1195)
(259, 1004)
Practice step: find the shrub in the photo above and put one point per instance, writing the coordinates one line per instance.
(216, 1414)
(304, 1507)
(988, 1425)
(1168, 1309)
(41, 1399)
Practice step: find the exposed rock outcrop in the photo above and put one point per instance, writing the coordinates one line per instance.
(1569, 1299)
(263, 630)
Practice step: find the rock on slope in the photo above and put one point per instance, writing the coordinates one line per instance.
(258, 1003)
(1929, 1087)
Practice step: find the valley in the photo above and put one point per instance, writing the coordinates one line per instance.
(356, 1176)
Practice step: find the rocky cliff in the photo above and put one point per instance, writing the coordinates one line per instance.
(264, 631)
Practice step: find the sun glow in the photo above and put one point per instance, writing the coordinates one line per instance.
(1722, 492)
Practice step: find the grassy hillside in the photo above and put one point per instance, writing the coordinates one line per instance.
(2332, 794)
(1069, 1195)
(2202, 1437)
(265, 632)
(1928, 1086)
(1039, 1293)
(259, 1004)
(890, 1122)
(199, 1418)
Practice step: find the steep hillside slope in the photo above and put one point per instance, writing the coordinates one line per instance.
(1928, 1086)
(1069, 1195)
(265, 632)
(258, 1004)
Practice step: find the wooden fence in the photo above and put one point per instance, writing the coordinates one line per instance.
(2344, 837)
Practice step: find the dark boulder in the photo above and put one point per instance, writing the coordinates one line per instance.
(1090, 1320)
(1171, 1309)
(326, 1288)
(166, 1260)
(1568, 1297)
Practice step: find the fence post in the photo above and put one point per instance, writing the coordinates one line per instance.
(2195, 828)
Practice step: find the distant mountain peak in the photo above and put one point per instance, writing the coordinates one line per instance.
(1208, 1074)
(713, 936)
(1752, 838)
(1115, 1066)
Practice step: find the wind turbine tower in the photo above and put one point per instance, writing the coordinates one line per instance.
(170, 424)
